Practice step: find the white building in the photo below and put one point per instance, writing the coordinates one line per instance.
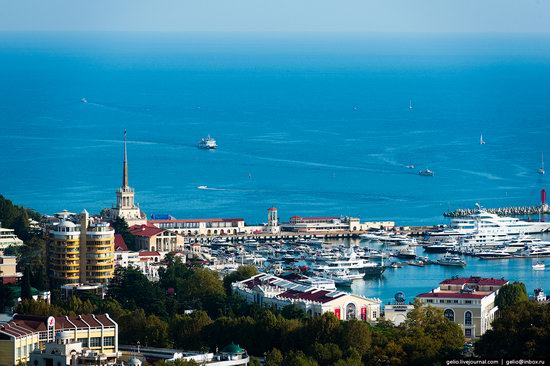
(8, 238)
(269, 290)
(469, 302)
(301, 224)
(397, 312)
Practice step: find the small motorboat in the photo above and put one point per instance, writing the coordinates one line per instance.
(426, 173)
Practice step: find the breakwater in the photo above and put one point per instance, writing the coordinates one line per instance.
(501, 211)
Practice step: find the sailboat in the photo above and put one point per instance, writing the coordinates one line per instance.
(481, 140)
(541, 169)
(410, 104)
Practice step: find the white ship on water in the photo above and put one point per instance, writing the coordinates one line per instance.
(207, 143)
(483, 226)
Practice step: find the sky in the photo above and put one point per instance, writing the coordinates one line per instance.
(510, 16)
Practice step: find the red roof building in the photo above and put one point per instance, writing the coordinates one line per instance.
(152, 238)
(120, 244)
(270, 290)
(467, 301)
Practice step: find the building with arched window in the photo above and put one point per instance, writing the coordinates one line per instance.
(469, 302)
(269, 290)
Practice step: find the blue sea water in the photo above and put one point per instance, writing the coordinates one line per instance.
(315, 124)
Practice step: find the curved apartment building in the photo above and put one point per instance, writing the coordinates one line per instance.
(64, 252)
(81, 253)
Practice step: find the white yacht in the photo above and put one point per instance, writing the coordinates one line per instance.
(349, 263)
(318, 282)
(494, 254)
(451, 260)
(491, 226)
(208, 143)
(534, 252)
(343, 277)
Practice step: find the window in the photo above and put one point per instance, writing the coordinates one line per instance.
(351, 311)
(84, 341)
(95, 342)
(468, 333)
(449, 314)
(109, 341)
(468, 318)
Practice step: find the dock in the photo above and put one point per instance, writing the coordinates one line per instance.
(502, 211)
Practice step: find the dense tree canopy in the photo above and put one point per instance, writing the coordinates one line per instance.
(16, 217)
(521, 331)
(510, 295)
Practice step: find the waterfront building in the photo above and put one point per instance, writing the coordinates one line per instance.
(301, 224)
(24, 333)
(198, 227)
(152, 238)
(397, 311)
(272, 221)
(8, 270)
(81, 253)
(469, 302)
(272, 291)
(125, 205)
(8, 238)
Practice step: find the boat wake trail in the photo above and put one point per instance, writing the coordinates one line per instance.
(206, 188)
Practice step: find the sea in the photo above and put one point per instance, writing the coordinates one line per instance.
(314, 124)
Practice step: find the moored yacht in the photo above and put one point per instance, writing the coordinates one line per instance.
(494, 254)
(351, 262)
(491, 226)
(451, 260)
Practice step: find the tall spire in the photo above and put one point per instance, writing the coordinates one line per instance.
(125, 165)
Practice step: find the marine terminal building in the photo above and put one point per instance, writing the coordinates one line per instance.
(269, 290)
(469, 302)
(25, 333)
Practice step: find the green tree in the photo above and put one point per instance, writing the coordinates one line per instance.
(39, 307)
(428, 337)
(242, 273)
(26, 290)
(326, 354)
(355, 334)
(521, 331)
(121, 227)
(274, 358)
(293, 311)
(78, 306)
(298, 358)
(510, 295)
(186, 330)
(148, 330)
(7, 297)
